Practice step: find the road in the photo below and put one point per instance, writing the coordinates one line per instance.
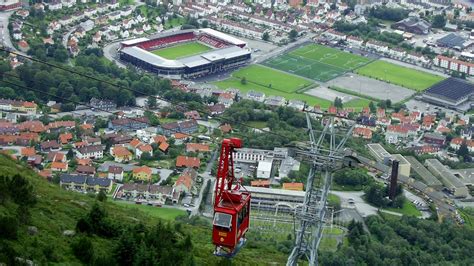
(66, 36)
(5, 34)
(205, 176)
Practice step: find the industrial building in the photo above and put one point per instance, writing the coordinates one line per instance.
(413, 25)
(270, 199)
(427, 177)
(379, 153)
(404, 166)
(451, 93)
(450, 181)
(264, 169)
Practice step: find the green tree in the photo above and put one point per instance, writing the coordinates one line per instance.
(463, 150)
(293, 35)
(101, 196)
(439, 21)
(338, 103)
(243, 81)
(372, 107)
(266, 36)
(205, 24)
(151, 102)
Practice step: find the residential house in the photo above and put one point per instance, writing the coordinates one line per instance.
(216, 109)
(91, 152)
(297, 104)
(434, 138)
(275, 101)
(192, 115)
(188, 162)
(226, 99)
(59, 167)
(255, 96)
(27, 151)
(226, 128)
(85, 169)
(395, 133)
(65, 138)
(142, 173)
(185, 181)
(121, 154)
(186, 127)
(128, 124)
(142, 149)
(197, 147)
(73, 182)
(115, 173)
(50, 145)
(362, 132)
(94, 184)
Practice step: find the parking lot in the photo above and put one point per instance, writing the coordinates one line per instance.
(371, 87)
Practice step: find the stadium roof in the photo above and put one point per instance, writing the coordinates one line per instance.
(151, 58)
(451, 40)
(134, 41)
(223, 36)
(452, 89)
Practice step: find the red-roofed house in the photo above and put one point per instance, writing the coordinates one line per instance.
(185, 181)
(363, 132)
(332, 110)
(27, 151)
(142, 173)
(159, 139)
(395, 133)
(164, 146)
(380, 112)
(293, 186)
(142, 149)
(65, 138)
(59, 167)
(121, 154)
(185, 161)
(260, 183)
(197, 147)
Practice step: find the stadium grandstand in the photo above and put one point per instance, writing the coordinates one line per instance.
(451, 93)
(218, 52)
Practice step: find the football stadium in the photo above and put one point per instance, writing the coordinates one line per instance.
(186, 53)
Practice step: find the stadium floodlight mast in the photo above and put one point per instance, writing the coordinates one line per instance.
(311, 215)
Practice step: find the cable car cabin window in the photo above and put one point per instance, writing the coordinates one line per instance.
(242, 215)
(223, 220)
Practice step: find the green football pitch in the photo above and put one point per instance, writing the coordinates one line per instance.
(399, 75)
(182, 50)
(317, 62)
(272, 79)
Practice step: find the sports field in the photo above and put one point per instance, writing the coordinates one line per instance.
(182, 50)
(406, 77)
(317, 62)
(272, 79)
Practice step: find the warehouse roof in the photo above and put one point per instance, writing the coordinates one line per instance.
(452, 89)
(451, 40)
(427, 177)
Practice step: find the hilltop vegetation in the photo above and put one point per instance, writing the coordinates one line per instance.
(35, 214)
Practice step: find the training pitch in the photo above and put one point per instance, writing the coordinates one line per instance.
(272, 79)
(182, 50)
(317, 62)
(406, 77)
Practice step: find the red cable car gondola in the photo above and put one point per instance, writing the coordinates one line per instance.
(231, 204)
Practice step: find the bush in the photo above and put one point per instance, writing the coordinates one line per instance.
(9, 227)
(83, 249)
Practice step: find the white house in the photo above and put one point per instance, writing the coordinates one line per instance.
(90, 152)
(264, 169)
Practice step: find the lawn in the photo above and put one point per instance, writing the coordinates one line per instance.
(174, 22)
(169, 214)
(317, 62)
(408, 209)
(257, 124)
(406, 77)
(235, 83)
(272, 79)
(182, 50)
(328, 244)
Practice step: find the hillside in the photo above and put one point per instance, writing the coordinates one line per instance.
(57, 210)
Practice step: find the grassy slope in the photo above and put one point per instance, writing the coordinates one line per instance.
(181, 50)
(403, 76)
(408, 209)
(265, 76)
(58, 210)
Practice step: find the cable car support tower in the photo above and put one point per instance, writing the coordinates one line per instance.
(324, 158)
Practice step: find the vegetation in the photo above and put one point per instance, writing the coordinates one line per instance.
(351, 179)
(182, 50)
(317, 62)
(405, 241)
(406, 77)
(387, 13)
(35, 215)
(272, 79)
(377, 195)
